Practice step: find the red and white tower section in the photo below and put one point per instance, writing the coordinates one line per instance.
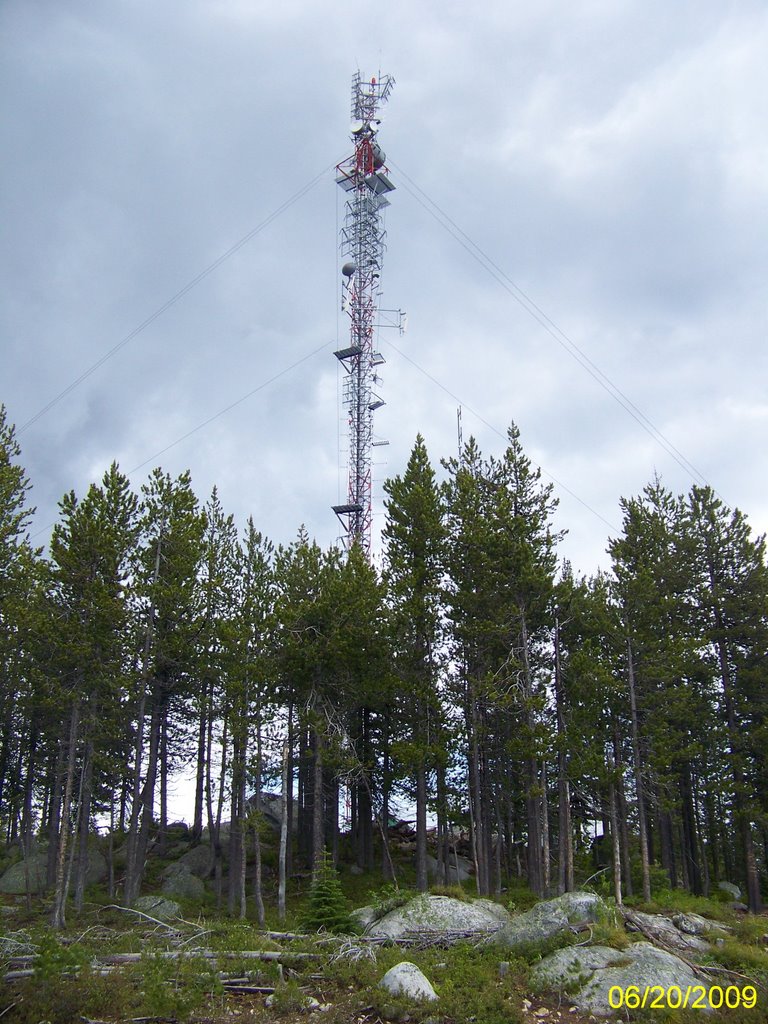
(365, 180)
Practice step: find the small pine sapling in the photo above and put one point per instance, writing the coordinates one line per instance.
(327, 907)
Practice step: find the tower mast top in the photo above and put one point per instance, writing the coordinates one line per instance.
(364, 178)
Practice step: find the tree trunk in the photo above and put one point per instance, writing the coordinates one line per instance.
(532, 801)
(58, 916)
(282, 857)
(668, 859)
(54, 813)
(638, 770)
(318, 816)
(565, 881)
(422, 881)
(135, 868)
(257, 886)
(744, 825)
(84, 825)
(621, 808)
(690, 835)
(545, 877)
(197, 822)
(615, 847)
(218, 852)
(162, 845)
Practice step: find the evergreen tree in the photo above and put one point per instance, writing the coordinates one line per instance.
(18, 563)
(91, 551)
(253, 699)
(732, 595)
(172, 529)
(414, 536)
(501, 563)
(327, 907)
(652, 564)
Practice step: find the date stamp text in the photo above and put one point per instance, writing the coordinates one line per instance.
(676, 997)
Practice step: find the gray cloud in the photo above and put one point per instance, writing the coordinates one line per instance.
(610, 158)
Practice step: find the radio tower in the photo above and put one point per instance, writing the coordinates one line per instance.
(364, 178)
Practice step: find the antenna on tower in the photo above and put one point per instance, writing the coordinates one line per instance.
(459, 433)
(365, 179)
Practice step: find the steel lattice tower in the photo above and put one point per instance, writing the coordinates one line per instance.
(364, 178)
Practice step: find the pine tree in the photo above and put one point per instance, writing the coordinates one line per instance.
(732, 595)
(414, 536)
(91, 551)
(327, 908)
(652, 564)
(501, 562)
(18, 569)
(172, 528)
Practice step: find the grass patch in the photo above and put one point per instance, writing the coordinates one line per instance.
(745, 959)
(669, 901)
(519, 898)
(454, 892)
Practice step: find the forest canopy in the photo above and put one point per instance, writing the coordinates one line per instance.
(472, 678)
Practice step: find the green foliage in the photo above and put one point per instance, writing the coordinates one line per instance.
(288, 998)
(55, 957)
(390, 897)
(608, 933)
(519, 897)
(455, 892)
(666, 901)
(742, 958)
(327, 907)
(470, 987)
(64, 986)
(175, 987)
(62, 1000)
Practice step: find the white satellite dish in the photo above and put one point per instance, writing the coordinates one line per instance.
(356, 127)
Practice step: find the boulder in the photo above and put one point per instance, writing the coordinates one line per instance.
(14, 881)
(466, 869)
(731, 889)
(159, 907)
(405, 979)
(179, 881)
(437, 914)
(660, 928)
(364, 917)
(588, 973)
(198, 860)
(550, 918)
(695, 924)
(573, 966)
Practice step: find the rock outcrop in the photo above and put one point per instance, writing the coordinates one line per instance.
(440, 914)
(465, 868)
(14, 881)
(550, 918)
(588, 973)
(179, 882)
(659, 928)
(158, 907)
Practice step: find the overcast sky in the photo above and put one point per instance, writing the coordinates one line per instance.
(610, 157)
